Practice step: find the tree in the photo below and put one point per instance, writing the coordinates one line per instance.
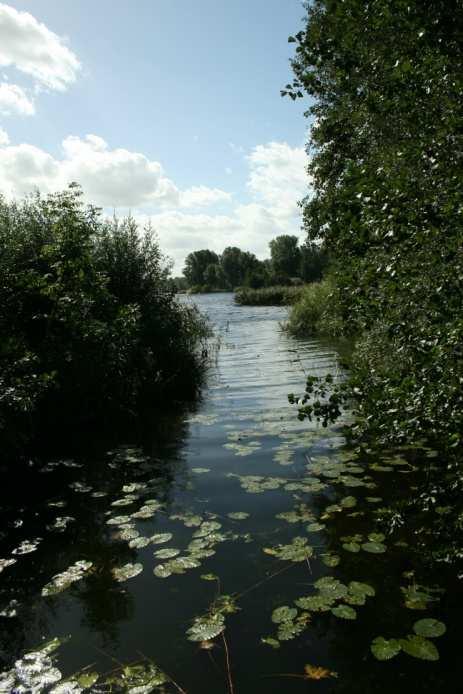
(214, 277)
(235, 264)
(313, 263)
(196, 264)
(385, 79)
(285, 255)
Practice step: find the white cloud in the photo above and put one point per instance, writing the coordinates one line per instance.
(4, 139)
(278, 176)
(119, 178)
(14, 101)
(201, 196)
(29, 46)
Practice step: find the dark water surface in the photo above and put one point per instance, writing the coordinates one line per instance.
(192, 472)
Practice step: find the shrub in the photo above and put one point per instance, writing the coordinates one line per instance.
(88, 317)
(316, 311)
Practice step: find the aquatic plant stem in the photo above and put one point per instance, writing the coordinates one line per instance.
(264, 580)
(227, 657)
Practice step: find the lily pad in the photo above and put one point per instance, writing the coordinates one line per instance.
(419, 647)
(161, 538)
(384, 649)
(200, 470)
(344, 612)
(283, 614)
(167, 553)
(374, 547)
(353, 547)
(207, 627)
(238, 515)
(123, 573)
(429, 628)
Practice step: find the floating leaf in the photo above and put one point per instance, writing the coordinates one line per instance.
(269, 641)
(167, 553)
(162, 571)
(238, 515)
(376, 537)
(161, 538)
(331, 587)
(419, 647)
(283, 614)
(123, 573)
(207, 627)
(361, 589)
(200, 470)
(344, 612)
(316, 672)
(374, 547)
(63, 580)
(429, 628)
(209, 577)
(315, 527)
(315, 603)
(384, 649)
(331, 560)
(351, 547)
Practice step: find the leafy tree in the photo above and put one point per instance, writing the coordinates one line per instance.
(214, 276)
(88, 319)
(196, 264)
(314, 260)
(285, 255)
(385, 79)
(235, 264)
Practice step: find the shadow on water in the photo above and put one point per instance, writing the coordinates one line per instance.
(240, 499)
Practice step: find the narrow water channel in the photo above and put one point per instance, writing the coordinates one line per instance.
(267, 529)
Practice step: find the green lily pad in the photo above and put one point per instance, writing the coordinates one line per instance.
(200, 470)
(161, 538)
(207, 627)
(353, 547)
(361, 589)
(376, 537)
(331, 560)
(167, 553)
(344, 612)
(374, 547)
(315, 527)
(429, 628)
(384, 649)
(419, 647)
(123, 573)
(269, 641)
(238, 515)
(315, 603)
(162, 571)
(283, 614)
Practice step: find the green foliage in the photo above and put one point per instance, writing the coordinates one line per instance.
(315, 311)
(88, 317)
(385, 82)
(285, 255)
(267, 296)
(196, 265)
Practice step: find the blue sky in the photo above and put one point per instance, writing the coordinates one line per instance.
(181, 101)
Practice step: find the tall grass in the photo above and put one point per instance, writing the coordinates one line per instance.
(267, 296)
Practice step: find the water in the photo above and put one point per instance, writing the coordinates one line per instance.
(193, 469)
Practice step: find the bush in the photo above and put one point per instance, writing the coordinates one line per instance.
(267, 296)
(315, 312)
(88, 317)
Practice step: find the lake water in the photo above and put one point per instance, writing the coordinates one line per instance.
(228, 513)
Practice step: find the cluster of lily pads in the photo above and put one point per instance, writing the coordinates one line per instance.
(417, 645)
(331, 596)
(37, 672)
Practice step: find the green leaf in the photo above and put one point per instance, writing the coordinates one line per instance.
(283, 614)
(384, 649)
(429, 628)
(374, 547)
(344, 612)
(419, 647)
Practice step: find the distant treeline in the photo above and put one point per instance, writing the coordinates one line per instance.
(288, 264)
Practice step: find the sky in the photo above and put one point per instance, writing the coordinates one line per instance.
(167, 109)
